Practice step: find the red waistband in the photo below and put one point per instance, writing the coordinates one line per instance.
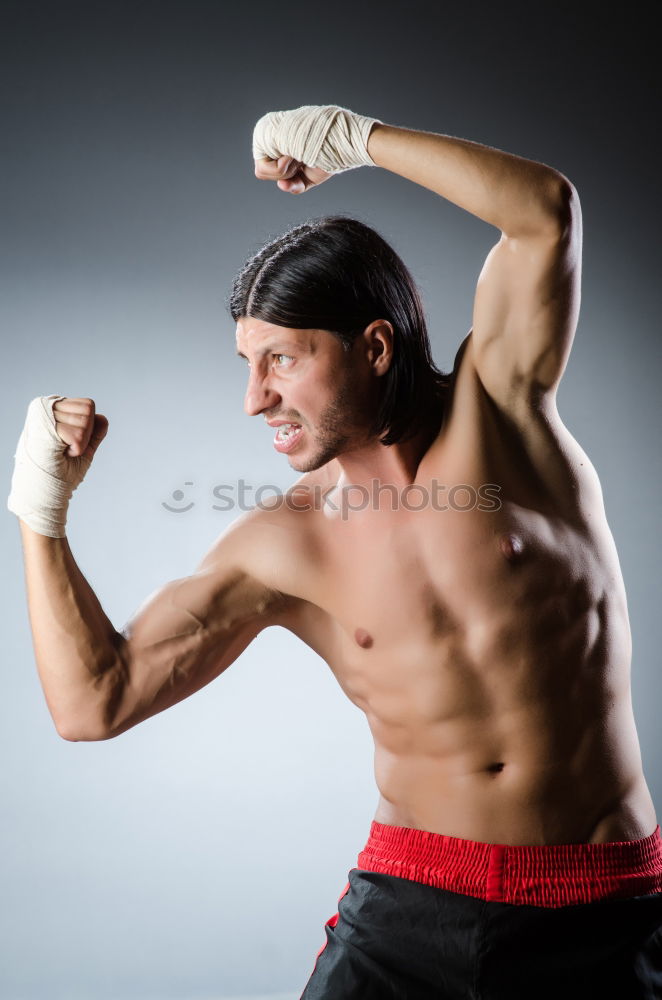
(541, 875)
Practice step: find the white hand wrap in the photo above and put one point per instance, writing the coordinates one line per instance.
(325, 136)
(44, 477)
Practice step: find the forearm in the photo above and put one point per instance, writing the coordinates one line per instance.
(75, 645)
(516, 195)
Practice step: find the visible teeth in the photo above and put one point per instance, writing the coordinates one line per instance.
(285, 430)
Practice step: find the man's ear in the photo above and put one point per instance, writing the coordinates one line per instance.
(378, 337)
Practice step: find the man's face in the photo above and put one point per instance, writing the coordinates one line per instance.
(306, 378)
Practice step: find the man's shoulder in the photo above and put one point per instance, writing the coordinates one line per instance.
(305, 495)
(275, 539)
(263, 554)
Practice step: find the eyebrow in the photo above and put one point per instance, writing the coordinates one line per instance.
(273, 349)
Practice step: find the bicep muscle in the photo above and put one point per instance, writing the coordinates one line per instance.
(184, 636)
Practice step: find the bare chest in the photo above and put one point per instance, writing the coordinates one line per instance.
(456, 584)
(468, 590)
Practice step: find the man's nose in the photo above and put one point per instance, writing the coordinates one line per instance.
(259, 396)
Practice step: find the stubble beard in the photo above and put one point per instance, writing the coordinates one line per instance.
(341, 426)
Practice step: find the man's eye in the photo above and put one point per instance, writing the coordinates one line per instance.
(289, 358)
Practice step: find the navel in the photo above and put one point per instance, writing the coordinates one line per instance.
(363, 638)
(495, 768)
(511, 546)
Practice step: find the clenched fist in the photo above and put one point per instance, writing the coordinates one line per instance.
(304, 146)
(77, 424)
(290, 175)
(54, 451)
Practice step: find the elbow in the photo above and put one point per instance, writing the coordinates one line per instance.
(551, 211)
(71, 737)
(564, 212)
(73, 732)
(87, 716)
(68, 734)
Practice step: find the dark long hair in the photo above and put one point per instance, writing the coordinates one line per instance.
(338, 274)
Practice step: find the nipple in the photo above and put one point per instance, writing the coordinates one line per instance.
(511, 546)
(363, 638)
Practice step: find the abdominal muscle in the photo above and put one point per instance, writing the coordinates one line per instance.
(507, 735)
(491, 724)
(534, 786)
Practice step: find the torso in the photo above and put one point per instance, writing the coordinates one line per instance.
(489, 649)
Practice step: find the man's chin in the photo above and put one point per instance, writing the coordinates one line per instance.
(309, 463)
(303, 464)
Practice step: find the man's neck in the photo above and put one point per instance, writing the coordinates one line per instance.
(395, 464)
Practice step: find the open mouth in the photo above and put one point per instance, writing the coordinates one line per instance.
(287, 436)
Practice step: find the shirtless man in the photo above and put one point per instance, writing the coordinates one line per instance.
(487, 643)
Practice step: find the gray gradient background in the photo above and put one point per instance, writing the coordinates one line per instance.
(199, 854)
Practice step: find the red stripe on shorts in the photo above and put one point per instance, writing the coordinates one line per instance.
(331, 922)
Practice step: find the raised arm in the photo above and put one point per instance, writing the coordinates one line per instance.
(528, 293)
(98, 681)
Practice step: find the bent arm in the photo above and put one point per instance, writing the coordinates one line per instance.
(99, 682)
(528, 293)
(519, 196)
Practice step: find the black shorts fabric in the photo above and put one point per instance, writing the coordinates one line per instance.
(396, 938)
